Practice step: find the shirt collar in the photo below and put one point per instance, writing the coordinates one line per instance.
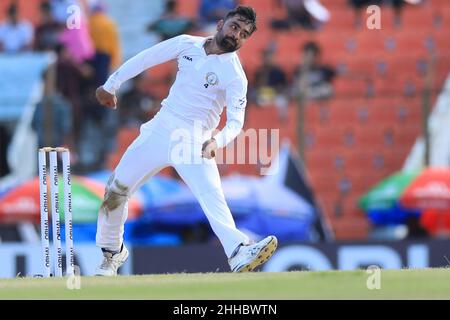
(222, 57)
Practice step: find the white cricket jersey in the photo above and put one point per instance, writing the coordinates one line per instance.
(203, 86)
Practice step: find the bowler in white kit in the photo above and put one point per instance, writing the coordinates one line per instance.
(209, 77)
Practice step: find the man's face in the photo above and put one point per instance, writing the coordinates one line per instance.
(310, 57)
(232, 33)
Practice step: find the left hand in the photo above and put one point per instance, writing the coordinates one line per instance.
(209, 148)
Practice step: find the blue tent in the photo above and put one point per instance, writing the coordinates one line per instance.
(257, 206)
(392, 216)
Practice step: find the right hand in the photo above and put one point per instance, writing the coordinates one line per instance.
(105, 98)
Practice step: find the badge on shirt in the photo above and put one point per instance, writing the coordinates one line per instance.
(211, 79)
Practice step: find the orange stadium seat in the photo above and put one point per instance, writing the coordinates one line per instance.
(414, 41)
(266, 10)
(312, 111)
(355, 159)
(351, 229)
(334, 44)
(442, 43)
(372, 43)
(420, 17)
(340, 19)
(330, 136)
(409, 110)
(381, 113)
(438, 4)
(335, 4)
(317, 160)
(28, 9)
(399, 65)
(370, 136)
(346, 87)
(188, 8)
(444, 12)
(324, 183)
(345, 113)
(406, 135)
(364, 66)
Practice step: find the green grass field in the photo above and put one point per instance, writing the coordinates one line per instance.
(395, 284)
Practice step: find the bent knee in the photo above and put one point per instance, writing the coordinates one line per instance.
(116, 194)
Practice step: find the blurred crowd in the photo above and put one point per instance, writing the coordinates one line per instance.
(86, 46)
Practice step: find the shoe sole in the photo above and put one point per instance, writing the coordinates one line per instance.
(262, 257)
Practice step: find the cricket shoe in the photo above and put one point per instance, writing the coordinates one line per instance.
(112, 262)
(251, 256)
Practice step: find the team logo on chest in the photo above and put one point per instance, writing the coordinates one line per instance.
(211, 79)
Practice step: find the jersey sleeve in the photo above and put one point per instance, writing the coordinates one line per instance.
(236, 101)
(162, 52)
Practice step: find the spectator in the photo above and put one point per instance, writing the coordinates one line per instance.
(270, 84)
(61, 116)
(170, 24)
(307, 14)
(98, 123)
(75, 77)
(15, 35)
(137, 105)
(104, 35)
(312, 77)
(77, 40)
(47, 32)
(211, 11)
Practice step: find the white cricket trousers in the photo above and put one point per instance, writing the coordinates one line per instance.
(168, 140)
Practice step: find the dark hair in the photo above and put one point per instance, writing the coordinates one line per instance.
(12, 9)
(247, 13)
(45, 6)
(311, 45)
(171, 5)
(59, 48)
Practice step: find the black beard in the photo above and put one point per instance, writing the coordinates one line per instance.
(227, 44)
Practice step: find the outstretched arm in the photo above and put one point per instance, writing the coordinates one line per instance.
(159, 53)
